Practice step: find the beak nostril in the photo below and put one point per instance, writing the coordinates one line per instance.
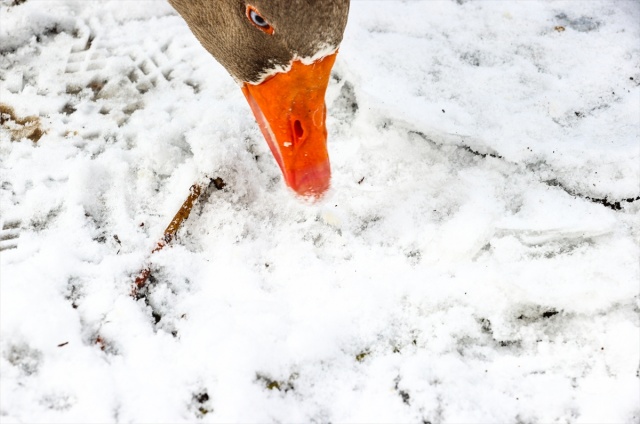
(298, 130)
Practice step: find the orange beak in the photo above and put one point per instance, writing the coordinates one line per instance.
(290, 111)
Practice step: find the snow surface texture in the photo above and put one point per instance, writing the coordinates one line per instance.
(475, 261)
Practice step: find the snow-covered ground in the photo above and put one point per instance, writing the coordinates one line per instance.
(476, 260)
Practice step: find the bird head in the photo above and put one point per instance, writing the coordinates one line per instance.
(281, 53)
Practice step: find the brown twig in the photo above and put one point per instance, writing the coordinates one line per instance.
(195, 191)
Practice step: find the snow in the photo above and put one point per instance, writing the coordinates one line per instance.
(476, 259)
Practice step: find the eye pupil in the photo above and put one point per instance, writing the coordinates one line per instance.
(257, 19)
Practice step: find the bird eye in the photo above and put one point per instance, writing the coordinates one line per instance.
(258, 20)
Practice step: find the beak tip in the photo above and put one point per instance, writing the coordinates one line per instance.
(311, 182)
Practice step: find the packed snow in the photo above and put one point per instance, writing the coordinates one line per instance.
(476, 259)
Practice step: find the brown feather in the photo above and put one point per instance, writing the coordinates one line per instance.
(301, 29)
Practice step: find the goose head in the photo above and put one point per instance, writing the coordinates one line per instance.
(281, 53)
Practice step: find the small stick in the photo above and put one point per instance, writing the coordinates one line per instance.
(195, 191)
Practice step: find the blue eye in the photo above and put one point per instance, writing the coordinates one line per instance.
(258, 20)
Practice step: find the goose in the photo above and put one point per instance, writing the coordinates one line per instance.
(281, 53)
